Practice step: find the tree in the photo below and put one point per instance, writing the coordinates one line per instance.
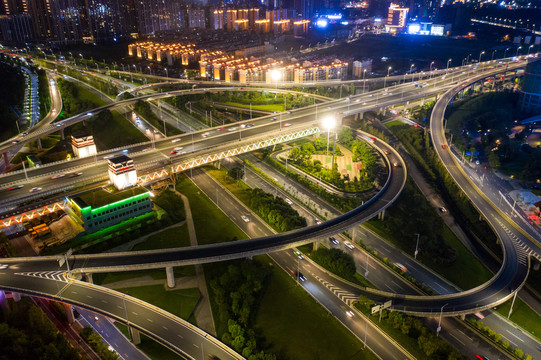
(345, 136)
(236, 173)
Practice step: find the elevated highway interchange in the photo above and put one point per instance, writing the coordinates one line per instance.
(96, 263)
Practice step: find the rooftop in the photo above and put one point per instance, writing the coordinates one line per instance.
(100, 197)
(120, 159)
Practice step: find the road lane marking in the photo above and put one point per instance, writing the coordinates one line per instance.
(104, 301)
(88, 296)
(74, 292)
(180, 336)
(463, 333)
(195, 346)
(514, 335)
(134, 313)
(457, 339)
(150, 320)
(165, 328)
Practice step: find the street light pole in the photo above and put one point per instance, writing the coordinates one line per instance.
(416, 248)
(531, 46)
(364, 80)
(439, 322)
(448, 61)
(505, 52)
(520, 47)
(385, 80)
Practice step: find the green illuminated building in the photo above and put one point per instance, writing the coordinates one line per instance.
(100, 209)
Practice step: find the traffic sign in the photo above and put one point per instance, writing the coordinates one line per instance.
(375, 309)
(386, 304)
(468, 153)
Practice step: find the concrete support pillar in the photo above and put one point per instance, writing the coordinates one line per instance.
(6, 159)
(170, 276)
(384, 111)
(536, 265)
(16, 296)
(3, 301)
(136, 336)
(89, 278)
(40, 148)
(422, 101)
(315, 245)
(361, 116)
(62, 134)
(69, 313)
(217, 164)
(381, 215)
(463, 317)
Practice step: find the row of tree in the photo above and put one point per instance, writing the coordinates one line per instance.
(336, 261)
(71, 99)
(274, 210)
(432, 346)
(237, 294)
(27, 333)
(96, 343)
(497, 338)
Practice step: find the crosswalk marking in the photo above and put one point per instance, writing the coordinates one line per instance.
(343, 295)
(51, 275)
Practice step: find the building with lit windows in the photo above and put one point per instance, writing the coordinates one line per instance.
(101, 209)
(396, 19)
(530, 97)
(122, 172)
(83, 145)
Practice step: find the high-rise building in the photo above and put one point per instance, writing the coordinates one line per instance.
(42, 20)
(396, 19)
(67, 17)
(160, 15)
(17, 28)
(107, 19)
(196, 18)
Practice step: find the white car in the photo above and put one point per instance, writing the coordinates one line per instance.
(288, 201)
(245, 218)
(348, 244)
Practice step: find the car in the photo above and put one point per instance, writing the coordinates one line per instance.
(96, 318)
(272, 119)
(156, 131)
(3, 266)
(333, 240)
(373, 139)
(24, 133)
(245, 218)
(444, 147)
(205, 134)
(318, 222)
(299, 275)
(538, 347)
(59, 124)
(288, 201)
(34, 189)
(220, 129)
(348, 244)
(350, 313)
(232, 129)
(146, 149)
(15, 142)
(89, 114)
(286, 125)
(477, 162)
(175, 140)
(299, 254)
(75, 174)
(443, 210)
(396, 164)
(249, 125)
(58, 176)
(15, 187)
(176, 150)
(481, 357)
(387, 152)
(401, 267)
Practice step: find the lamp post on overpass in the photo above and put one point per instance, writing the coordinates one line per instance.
(448, 61)
(385, 80)
(505, 52)
(520, 47)
(439, 322)
(364, 80)
(529, 48)
(416, 248)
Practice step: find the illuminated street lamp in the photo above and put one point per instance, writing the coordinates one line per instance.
(529, 48)
(276, 75)
(439, 322)
(329, 123)
(505, 52)
(448, 61)
(520, 47)
(411, 72)
(364, 80)
(481, 54)
(385, 80)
